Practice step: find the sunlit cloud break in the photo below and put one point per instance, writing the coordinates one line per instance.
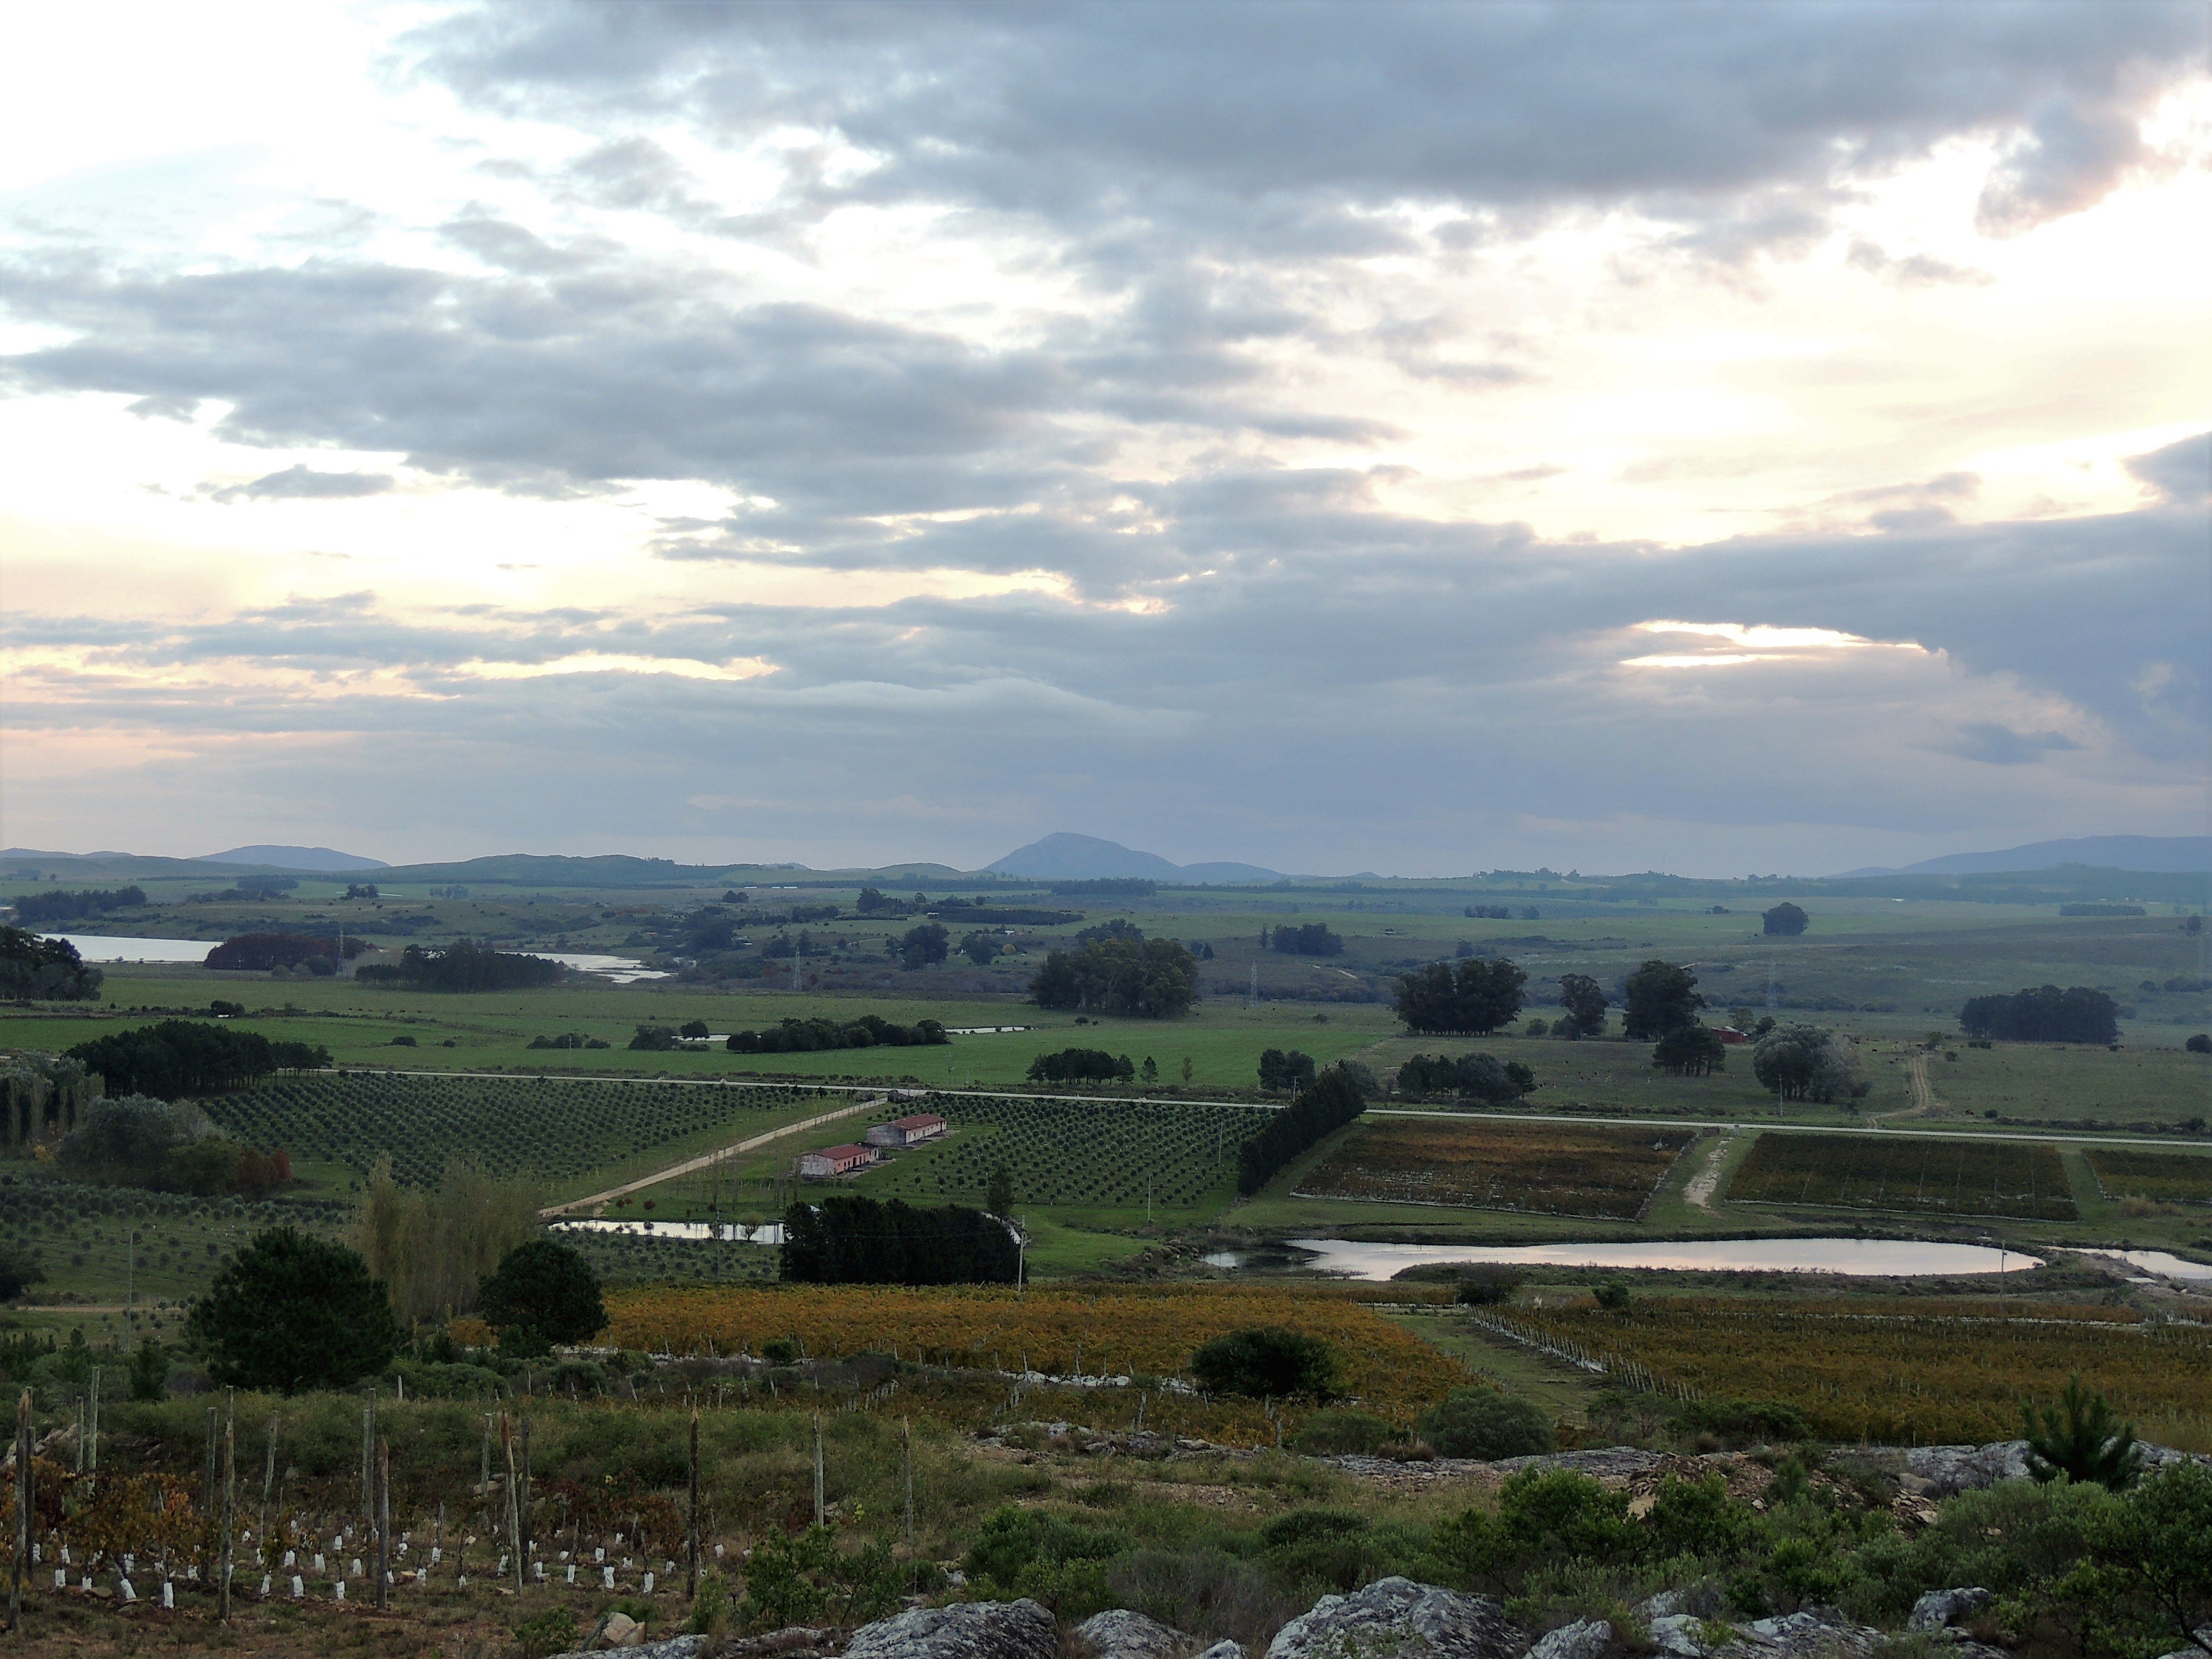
(1758, 643)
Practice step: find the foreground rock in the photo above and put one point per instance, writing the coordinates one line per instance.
(1940, 1609)
(1123, 1634)
(1586, 1639)
(1398, 1618)
(966, 1629)
(1792, 1636)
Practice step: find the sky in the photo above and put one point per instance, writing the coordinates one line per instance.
(1419, 439)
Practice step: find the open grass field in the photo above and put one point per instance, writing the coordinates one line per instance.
(2162, 1178)
(565, 1134)
(2040, 1083)
(2021, 1180)
(1554, 1170)
(1902, 1378)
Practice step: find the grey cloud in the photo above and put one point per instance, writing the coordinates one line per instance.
(2074, 152)
(301, 483)
(2000, 745)
(2181, 471)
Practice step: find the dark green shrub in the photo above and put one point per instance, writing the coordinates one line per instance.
(1486, 1423)
(1740, 1422)
(1267, 1364)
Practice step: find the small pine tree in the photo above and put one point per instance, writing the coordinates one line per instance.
(1151, 1069)
(2080, 1437)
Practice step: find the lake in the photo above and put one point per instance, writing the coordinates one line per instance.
(1851, 1257)
(104, 947)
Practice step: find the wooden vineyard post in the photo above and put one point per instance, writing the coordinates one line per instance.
(513, 1519)
(522, 1499)
(691, 1519)
(906, 1448)
(818, 1516)
(229, 1498)
(207, 1501)
(383, 1517)
(23, 1506)
(268, 1480)
(92, 1428)
(368, 1460)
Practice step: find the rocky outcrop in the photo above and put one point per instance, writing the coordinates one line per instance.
(1123, 1634)
(966, 1629)
(1946, 1471)
(1398, 1618)
(1792, 1635)
(619, 1632)
(1939, 1609)
(1586, 1639)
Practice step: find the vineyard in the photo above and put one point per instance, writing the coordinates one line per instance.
(1136, 1333)
(2018, 1180)
(551, 1130)
(1095, 1153)
(2167, 1178)
(1901, 1379)
(1547, 1169)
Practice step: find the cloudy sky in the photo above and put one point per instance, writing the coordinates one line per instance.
(1418, 438)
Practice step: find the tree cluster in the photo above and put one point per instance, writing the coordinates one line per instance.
(1334, 1100)
(43, 969)
(40, 910)
(1692, 1050)
(1784, 921)
(847, 1239)
(1081, 1065)
(1467, 1077)
(361, 890)
(1122, 974)
(804, 1036)
(982, 947)
(1315, 939)
(1807, 1062)
(432, 1247)
(1279, 1070)
(465, 966)
(1475, 995)
(179, 1057)
(1659, 996)
(542, 1294)
(259, 952)
(136, 1141)
(923, 947)
(2044, 1014)
(1584, 1003)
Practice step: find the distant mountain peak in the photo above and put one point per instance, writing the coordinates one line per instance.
(1065, 856)
(295, 858)
(2151, 855)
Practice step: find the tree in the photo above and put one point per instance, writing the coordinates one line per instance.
(1470, 1077)
(981, 948)
(1267, 1364)
(2080, 1437)
(544, 1293)
(190, 1057)
(1150, 1071)
(2199, 1044)
(1805, 1062)
(2151, 1560)
(1784, 921)
(1477, 995)
(150, 1372)
(1316, 938)
(49, 970)
(1119, 972)
(1692, 1050)
(1585, 1001)
(922, 946)
(292, 1312)
(19, 1271)
(1486, 1423)
(1487, 1283)
(1659, 997)
(1279, 1070)
(999, 1198)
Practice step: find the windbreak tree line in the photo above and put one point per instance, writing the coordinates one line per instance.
(43, 969)
(2044, 1014)
(1333, 1101)
(1467, 1076)
(259, 952)
(800, 1036)
(1123, 973)
(180, 1057)
(1280, 1069)
(850, 1240)
(1316, 938)
(464, 966)
(1475, 995)
(38, 909)
(1081, 1065)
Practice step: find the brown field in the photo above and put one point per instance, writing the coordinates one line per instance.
(2168, 1178)
(2021, 1180)
(1548, 1169)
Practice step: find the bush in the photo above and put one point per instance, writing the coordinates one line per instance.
(1613, 1296)
(1485, 1423)
(1267, 1364)
(1333, 1433)
(553, 1631)
(2199, 1044)
(1487, 1283)
(1741, 1422)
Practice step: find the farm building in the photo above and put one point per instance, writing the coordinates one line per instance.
(1729, 1033)
(835, 1161)
(906, 1131)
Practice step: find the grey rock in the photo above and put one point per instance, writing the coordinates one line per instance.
(1586, 1639)
(1803, 1636)
(1942, 1607)
(674, 1647)
(1122, 1634)
(966, 1629)
(1679, 1633)
(1952, 1469)
(1224, 1648)
(1665, 1605)
(1398, 1618)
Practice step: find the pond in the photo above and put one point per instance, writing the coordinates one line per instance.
(100, 947)
(2160, 1262)
(1853, 1257)
(772, 1233)
(623, 971)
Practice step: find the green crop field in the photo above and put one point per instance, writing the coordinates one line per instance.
(2164, 1177)
(1910, 1174)
(1550, 1168)
(1077, 1155)
(566, 1134)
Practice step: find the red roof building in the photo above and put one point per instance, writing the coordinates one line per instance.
(835, 1161)
(906, 1131)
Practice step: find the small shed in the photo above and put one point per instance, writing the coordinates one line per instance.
(1729, 1033)
(909, 1131)
(835, 1161)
